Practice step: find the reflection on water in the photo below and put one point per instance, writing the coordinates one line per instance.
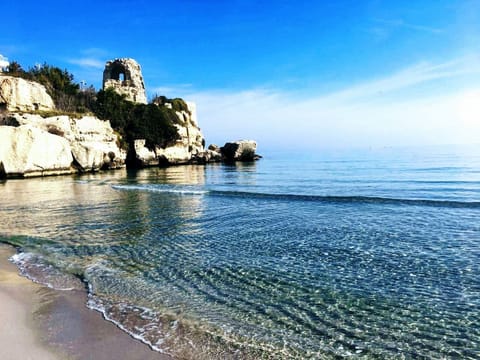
(275, 259)
(180, 175)
(80, 210)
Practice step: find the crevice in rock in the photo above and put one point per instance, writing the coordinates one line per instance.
(3, 173)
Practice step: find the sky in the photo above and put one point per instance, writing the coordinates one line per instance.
(289, 74)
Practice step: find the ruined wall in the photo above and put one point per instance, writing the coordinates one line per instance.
(125, 76)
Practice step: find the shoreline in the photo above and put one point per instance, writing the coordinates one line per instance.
(45, 324)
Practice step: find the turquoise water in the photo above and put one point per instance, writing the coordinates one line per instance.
(372, 254)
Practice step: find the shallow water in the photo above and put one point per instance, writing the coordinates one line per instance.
(370, 254)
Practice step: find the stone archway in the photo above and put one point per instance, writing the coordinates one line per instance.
(125, 77)
(118, 72)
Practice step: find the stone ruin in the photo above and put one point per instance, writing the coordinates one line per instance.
(125, 77)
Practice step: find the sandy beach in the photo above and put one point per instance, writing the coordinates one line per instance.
(39, 323)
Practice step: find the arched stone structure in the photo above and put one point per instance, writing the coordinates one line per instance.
(125, 77)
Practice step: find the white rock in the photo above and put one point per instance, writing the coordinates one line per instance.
(241, 150)
(176, 154)
(144, 155)
(192, 107)
(93, 142)
(187, 147)
(28, 151)
(17, 94)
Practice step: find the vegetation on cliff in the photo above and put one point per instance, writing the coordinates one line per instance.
(137, 121)
(153, 122)
(177, 104)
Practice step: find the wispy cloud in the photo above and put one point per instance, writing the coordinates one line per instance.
(354, 116)
(382, 29)
(171, 90)
(88, 62)
(95, 52)
(90, 59)
(3, 61)
(400, 23)
(405, 78)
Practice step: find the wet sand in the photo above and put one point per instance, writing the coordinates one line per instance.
(44, 324)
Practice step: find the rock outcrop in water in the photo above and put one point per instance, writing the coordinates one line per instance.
(91, 143)
(17, 94)
(186, 149)
(241, 150)
(27, 151)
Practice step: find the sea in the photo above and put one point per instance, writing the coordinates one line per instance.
(371, 253)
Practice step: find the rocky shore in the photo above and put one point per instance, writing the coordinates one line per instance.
(38, 140)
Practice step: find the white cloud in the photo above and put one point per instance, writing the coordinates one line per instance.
(382, 29)
(399, 23)
(95, 52)
(170, 90)
(3, 61)
(88, 62)
(355, 116)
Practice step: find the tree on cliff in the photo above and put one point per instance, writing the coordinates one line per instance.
(153, 123)
(14, 69)
(59, 84)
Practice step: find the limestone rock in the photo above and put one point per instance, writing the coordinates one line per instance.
(125, 77)
(92, 141)
(17, 94)
(214, 147)
(143, 156)
(242, 150)
(94, 144)
(27, 151)
(187, 149)
(207, 156)
(190, 143)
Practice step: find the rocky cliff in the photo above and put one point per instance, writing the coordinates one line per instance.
(17, 94)
(26, 139)
(27, 151)
(189, 148)
(33, 145)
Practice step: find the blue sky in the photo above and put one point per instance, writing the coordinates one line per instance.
(307, 74)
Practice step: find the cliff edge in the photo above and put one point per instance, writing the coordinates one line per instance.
(81, 130)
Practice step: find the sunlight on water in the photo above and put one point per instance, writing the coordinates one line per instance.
(366, 256)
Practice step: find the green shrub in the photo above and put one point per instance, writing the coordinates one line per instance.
(137, 121)
(177, 103)
(59, 84)
(153, 122)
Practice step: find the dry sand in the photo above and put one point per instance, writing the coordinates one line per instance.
(39, 323)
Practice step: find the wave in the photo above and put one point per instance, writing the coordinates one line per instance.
(333, 199)
(160, 189)
(35, 268)
(96, 303)
(350, 199)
